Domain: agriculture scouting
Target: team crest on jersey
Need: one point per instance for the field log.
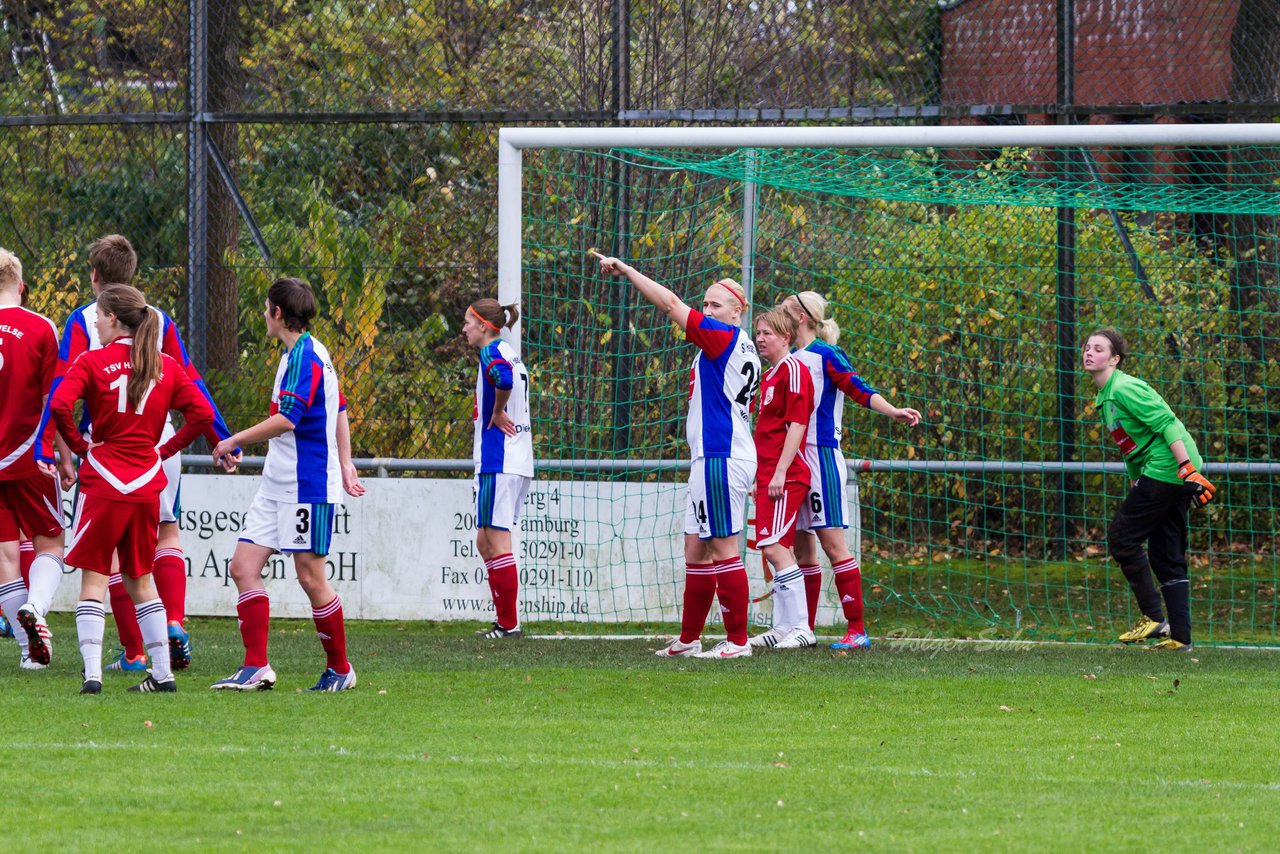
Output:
(768, 395)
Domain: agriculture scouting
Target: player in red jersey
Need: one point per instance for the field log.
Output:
(782, 479)
(112, 260)
(30, 501)
(128, 386)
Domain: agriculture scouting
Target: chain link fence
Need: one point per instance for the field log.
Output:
(354, 144)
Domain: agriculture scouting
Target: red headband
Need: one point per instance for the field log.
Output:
(735, 293)
(472, 310)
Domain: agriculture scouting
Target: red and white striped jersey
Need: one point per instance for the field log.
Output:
(28, 365)
(786, 397)
(124, 461)
(721, 387)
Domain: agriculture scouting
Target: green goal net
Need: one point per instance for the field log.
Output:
(964, 282)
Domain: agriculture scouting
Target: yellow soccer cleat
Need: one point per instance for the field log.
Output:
(1146, 628)
(1170, 645)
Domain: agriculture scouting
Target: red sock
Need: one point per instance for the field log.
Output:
(169, 570)
(812, 590)
(254, 608)
(126, 620)
(26, 556)
(504, 584)
(735, 598)
(849, 586)
(699, 593)
(333, 634)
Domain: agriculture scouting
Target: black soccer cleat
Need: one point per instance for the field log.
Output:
(499, 632)
(91, 686)
(151, 686)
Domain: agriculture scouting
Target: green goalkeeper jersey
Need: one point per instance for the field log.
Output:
(1143, 425)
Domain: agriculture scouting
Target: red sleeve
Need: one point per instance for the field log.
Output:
(799, 394)
(63, 402)
(711, 336)
(342, 402)
(196, 412)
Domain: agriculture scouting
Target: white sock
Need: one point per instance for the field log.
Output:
(46, 573)
(90, 621)
(155, 636)
(13, 595)
(789, 605)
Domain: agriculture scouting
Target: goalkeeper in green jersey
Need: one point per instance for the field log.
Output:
(1163, 464)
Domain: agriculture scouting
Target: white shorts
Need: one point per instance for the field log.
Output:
(499, 498)
(827, 504)
(288, 527)
(170, 501)
(717, 501)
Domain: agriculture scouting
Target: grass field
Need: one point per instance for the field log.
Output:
(454, 743)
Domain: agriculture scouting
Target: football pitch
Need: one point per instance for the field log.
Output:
(454, 743)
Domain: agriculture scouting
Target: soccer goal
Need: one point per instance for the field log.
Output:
(965, 266)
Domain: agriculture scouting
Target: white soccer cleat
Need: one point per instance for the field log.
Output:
(679, 649)
(725, 649)
(801, 637)
(28, 664)
(248, 679)
(766, 640)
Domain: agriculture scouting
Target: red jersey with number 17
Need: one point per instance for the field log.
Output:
(786, 397)
(28, 364)
(124, 462)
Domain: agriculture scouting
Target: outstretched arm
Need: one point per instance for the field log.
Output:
(905, 415)
(659, 295)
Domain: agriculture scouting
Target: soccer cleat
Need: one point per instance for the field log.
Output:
(801, 637)
(179, 646)
(768, 639)
(91, 686)
(1170, 645)
(248, 679)
(28, 664)
(151, 686)
(122, 663)
(39, 641)
(6, 628)
(1146, 628)
(852, 640)
(679, 649)
(332, 680)
(725, 649)
(499, 632)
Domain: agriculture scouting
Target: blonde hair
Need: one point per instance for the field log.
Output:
(10, 270)
(813, 309)
(734, 288)
(132, 312)
(781, 322)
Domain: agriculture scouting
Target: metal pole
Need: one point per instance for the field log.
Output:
(1068, 485)
(623, 342)
(750, 191)
(197, 181)
(509, 248)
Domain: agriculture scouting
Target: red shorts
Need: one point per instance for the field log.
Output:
(103, 526)
(776, 520)
(31, 506)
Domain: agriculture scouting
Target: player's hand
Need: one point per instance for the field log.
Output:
(906, 415)
(351, 481)
(226, 448)
(778, 485)
(47, 469)
(612, 266)
(66, 472)
(1195, 484)
(229, 462)
(503, 422)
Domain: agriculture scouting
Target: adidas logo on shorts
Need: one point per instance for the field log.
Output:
(300, 540)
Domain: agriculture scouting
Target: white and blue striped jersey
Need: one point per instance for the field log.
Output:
(495, 452)
(722, 385)
(302, 465)
(833, 379)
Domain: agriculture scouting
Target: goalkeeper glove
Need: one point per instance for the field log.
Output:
(1195, 484)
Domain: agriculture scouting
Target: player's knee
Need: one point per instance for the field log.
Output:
(1120, 543)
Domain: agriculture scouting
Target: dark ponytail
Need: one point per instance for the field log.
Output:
(131, 310)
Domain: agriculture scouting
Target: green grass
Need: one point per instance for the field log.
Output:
(451, 742)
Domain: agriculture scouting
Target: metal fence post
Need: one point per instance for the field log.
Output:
(197, 180)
